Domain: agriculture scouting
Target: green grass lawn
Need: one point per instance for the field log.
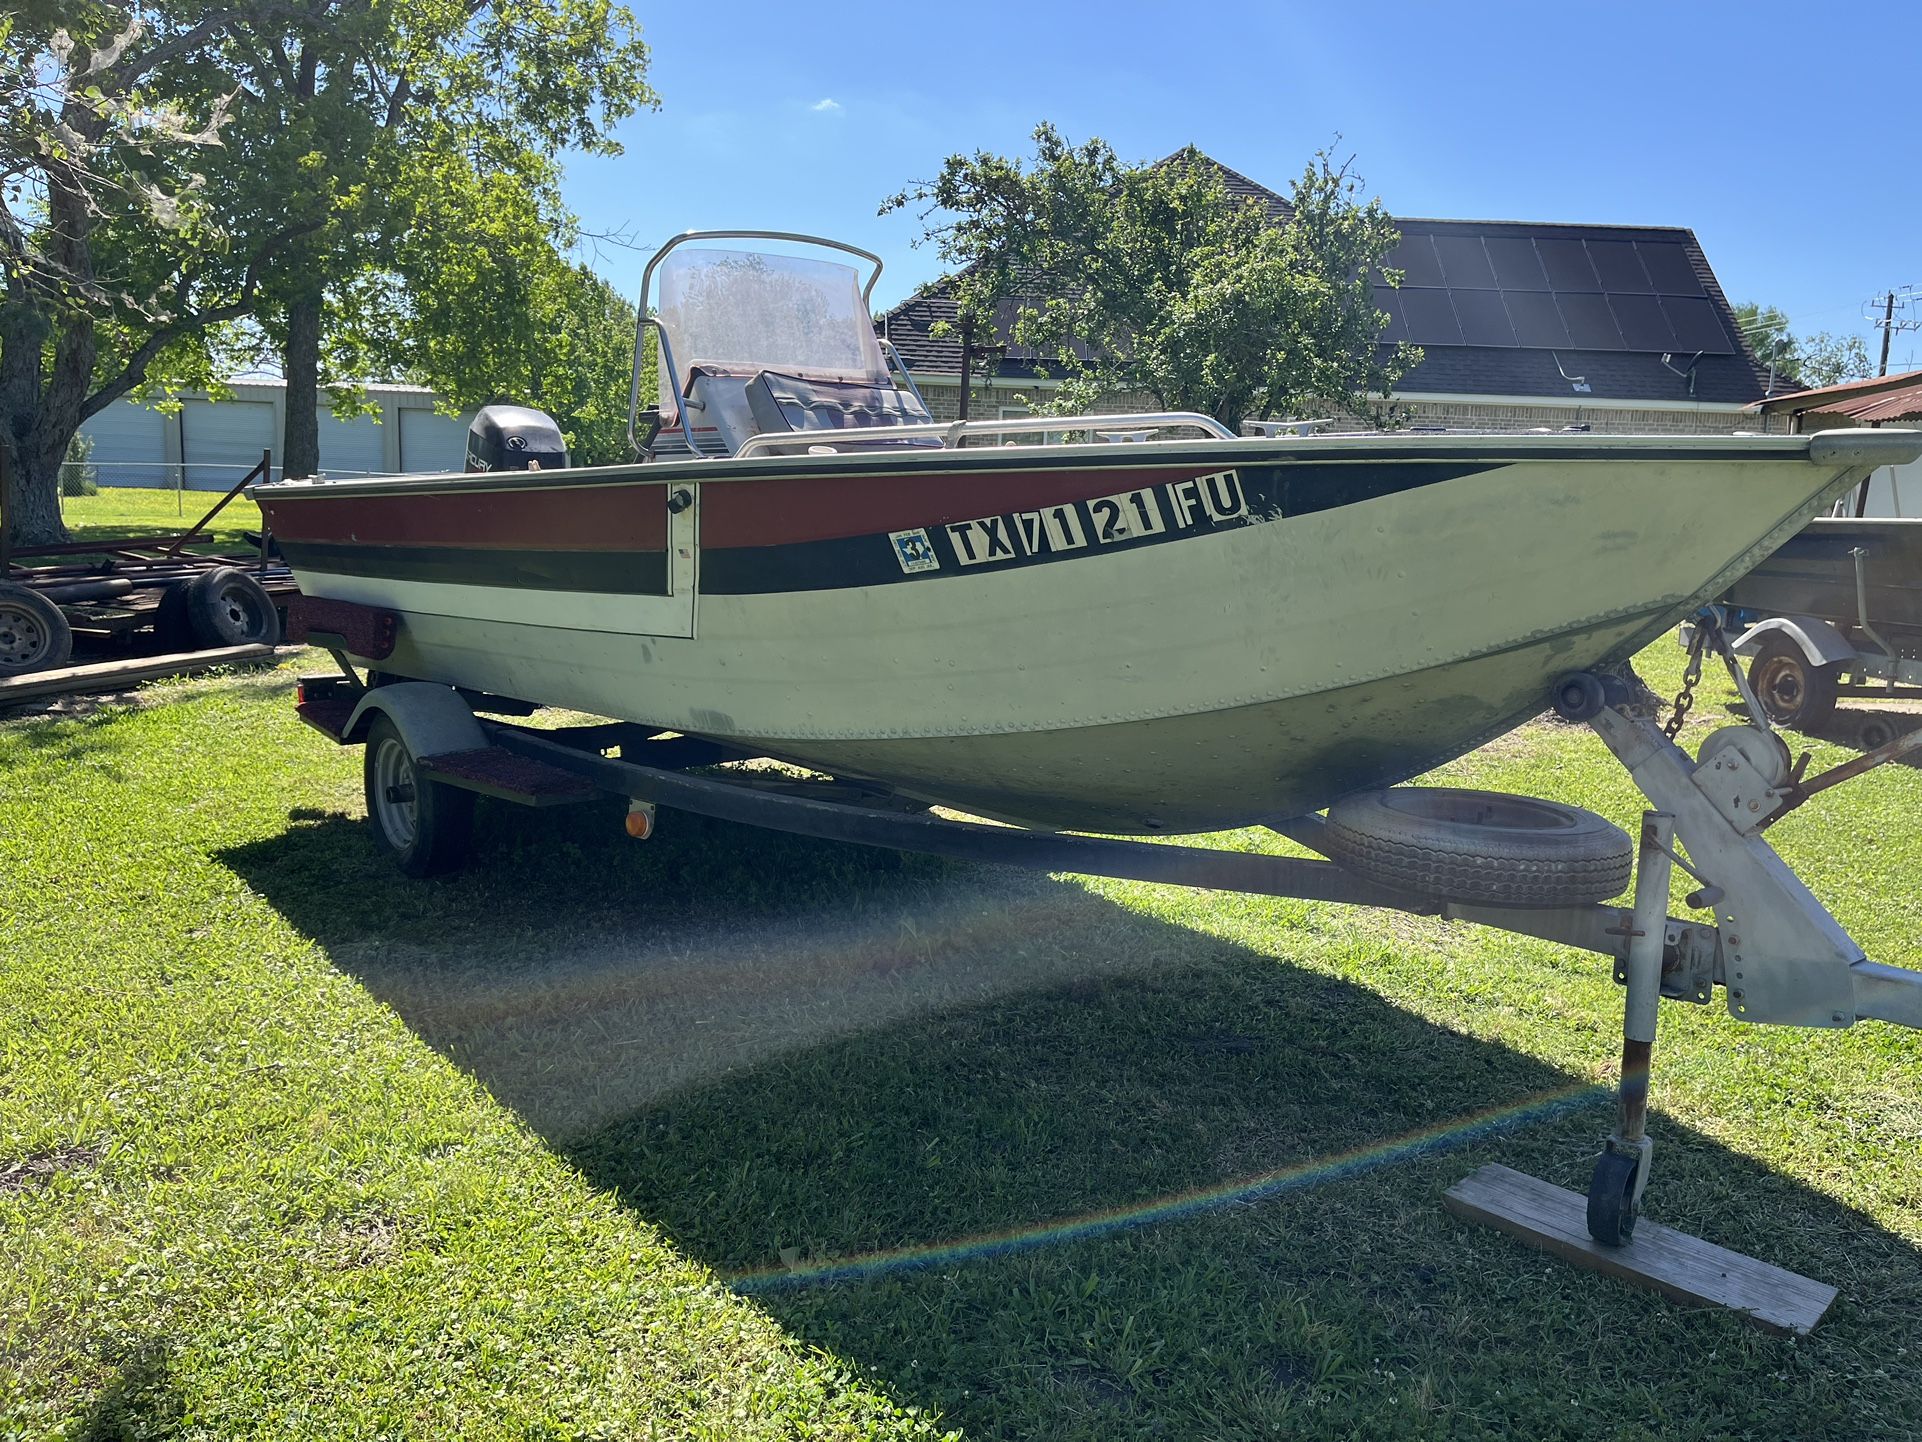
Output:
(130, 511)
(734, 1135)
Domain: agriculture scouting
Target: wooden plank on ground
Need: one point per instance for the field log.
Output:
(113, 675)
(1683, 1268)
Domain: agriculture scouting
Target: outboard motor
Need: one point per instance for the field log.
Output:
(514, 438)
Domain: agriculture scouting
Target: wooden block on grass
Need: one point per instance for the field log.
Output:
(113, 675)
(1683, 1268)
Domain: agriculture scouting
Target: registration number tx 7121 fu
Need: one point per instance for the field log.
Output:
(1198, 503)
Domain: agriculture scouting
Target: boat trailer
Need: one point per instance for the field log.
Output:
(1757, 932)
(105, 591)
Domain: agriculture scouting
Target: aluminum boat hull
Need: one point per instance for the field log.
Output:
(1286, 622)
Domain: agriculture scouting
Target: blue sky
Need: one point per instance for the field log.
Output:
(1743, 121)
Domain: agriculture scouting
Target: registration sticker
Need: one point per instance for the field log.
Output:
(914, 550)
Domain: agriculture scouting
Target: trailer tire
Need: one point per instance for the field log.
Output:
(1875, 732)
(426, 826)
(1790, 690)
(228, 607)
(1482, 847)
(172, 631)
(34, 634)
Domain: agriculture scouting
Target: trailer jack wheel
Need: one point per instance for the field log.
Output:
(1613, 1197)
(426, 826)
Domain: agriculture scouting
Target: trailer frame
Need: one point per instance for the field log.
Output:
(1765, 940)
(120, 589)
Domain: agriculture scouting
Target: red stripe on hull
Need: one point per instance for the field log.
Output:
(622, 517)
(781, 512)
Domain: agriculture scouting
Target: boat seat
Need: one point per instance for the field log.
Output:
(790, 403)
(717, 401)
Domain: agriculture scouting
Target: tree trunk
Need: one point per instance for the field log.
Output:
(33, 499)
(300, 441)
(37, 432)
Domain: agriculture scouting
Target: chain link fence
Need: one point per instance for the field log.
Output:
(84, 476)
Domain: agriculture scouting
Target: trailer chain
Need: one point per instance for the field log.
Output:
(1691, 678)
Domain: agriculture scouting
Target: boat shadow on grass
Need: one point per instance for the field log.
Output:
(1051, 1166)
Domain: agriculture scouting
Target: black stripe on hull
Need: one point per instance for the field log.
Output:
(618, 573)
(1167, 512)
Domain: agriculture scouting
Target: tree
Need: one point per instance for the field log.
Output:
(1822, 359)
(1157, 279)
(119, 274)
(555, 335)
(1828, 360)
(434, 122)
(169, 178)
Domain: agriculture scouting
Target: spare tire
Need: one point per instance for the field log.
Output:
(228, 607)
(1485, 847)
(34, 634)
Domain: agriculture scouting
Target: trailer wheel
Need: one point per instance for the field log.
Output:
(228, 607)
(34, 635)
(1875, 733)
(171, 629)
(1480, 846)
(1611, 1199)
(426, 826)
(1790, 690)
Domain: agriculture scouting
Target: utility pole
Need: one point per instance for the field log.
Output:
(1888, 329)
(967, 356)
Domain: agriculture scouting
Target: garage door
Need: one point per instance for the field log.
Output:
(431, 442)
(129, 446)
(350, 447)
(222, 440)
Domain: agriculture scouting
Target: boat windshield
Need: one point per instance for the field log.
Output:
(742, 311)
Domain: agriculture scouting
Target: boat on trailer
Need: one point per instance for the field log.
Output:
(1175, 632)
(1148, 625)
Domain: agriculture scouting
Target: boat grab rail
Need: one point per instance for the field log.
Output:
(952, 433)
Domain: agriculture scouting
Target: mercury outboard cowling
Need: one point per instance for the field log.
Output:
(514, 438)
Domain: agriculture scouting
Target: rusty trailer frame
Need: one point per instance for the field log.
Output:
(118, 591)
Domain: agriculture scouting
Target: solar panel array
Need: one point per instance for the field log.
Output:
(1549, 293)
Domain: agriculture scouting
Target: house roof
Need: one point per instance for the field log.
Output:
(1878, 399)
(1234, 182)
(1509, 308)
(910, 324)
(1521, 308)
(910, 327)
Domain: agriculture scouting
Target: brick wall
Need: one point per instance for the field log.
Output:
(1458, 415)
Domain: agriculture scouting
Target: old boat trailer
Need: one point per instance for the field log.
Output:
(107, 589)
(1762, 937)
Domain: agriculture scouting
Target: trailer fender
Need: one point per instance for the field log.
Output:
(1821, 643)
(432, 720)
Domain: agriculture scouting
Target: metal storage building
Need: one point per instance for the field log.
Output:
(208, 444)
